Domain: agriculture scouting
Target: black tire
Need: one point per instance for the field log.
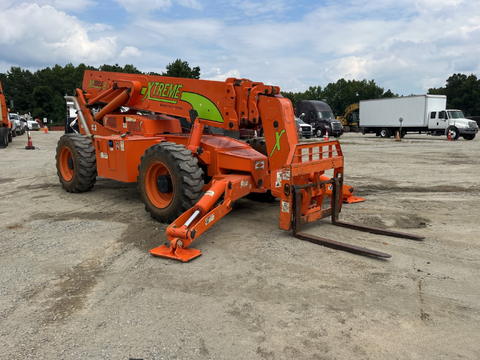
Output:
(170, 181)
(10, 136)
(3, 137)
(385, 133)
(319, 133)
(14, 133)
(454, 132)
(469, 137)
(76, 163)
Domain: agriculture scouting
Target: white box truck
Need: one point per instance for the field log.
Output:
(414, 114)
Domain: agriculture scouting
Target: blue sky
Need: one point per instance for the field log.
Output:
(407, 46)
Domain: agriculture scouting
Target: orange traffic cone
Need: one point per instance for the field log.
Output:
(46, 130)
(398, 136)
(326, 136)
(449, 137)
(29, 142)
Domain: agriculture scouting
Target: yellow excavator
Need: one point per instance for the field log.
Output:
(350, 118)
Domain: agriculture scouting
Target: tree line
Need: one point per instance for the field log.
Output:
(41, 93)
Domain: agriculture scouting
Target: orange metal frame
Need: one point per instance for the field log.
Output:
(121, 137)
(4, 122)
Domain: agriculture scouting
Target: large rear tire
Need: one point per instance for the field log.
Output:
(385, 133)
(170, 181)
(10, 136)
(3, 137)
(76, 163)
(469, 137)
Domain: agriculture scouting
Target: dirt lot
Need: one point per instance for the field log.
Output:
(77, 281)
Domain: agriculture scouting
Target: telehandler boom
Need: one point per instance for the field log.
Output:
(131, 130)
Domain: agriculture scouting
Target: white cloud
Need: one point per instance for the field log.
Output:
(260, 7)
(130, 51)
(65, 5)
(51, 36)
(141, 6)
(407, 46)
(217, 75)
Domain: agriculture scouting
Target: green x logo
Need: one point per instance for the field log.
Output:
(277, 141)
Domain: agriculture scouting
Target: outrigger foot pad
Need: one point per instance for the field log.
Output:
(180, 254)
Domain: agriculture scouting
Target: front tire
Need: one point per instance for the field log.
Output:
(319, 133)
(469, 137)
(170, 181)
(453, 133)
(76, 163)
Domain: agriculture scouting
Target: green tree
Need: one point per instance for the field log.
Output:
(462, 91)
(181, 69)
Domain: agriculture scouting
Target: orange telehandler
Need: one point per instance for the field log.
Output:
(5, 123)
(153, 130)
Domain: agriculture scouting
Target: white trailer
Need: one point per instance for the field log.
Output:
(414, 114)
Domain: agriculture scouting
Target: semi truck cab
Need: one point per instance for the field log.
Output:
(320, 116)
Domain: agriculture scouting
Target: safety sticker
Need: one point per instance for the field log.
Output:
(125, 125)
(128, 118)
(278, 182)
(103, 155)
(210, 193)
(285, 207)
(286, 175)
(209, 219)
(259, 165)
(94, 127)
(330, 187)
(244, 183)
(122, 146)
(118, 145)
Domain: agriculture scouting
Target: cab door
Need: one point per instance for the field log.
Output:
(437, 120)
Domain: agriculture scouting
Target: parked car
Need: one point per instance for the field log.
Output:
(13, 121)
(304, 130)
(19, 125)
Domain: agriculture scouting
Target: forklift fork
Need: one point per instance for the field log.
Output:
(334, 211)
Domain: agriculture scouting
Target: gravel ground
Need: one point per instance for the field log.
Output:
(77, 281)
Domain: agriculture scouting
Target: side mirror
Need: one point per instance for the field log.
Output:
(11, 104)
(302, 116)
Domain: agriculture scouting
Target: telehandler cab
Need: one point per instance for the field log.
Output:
(131, 130)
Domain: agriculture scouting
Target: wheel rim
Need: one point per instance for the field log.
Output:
(319, 133)
(159, 199)
(66, 163)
